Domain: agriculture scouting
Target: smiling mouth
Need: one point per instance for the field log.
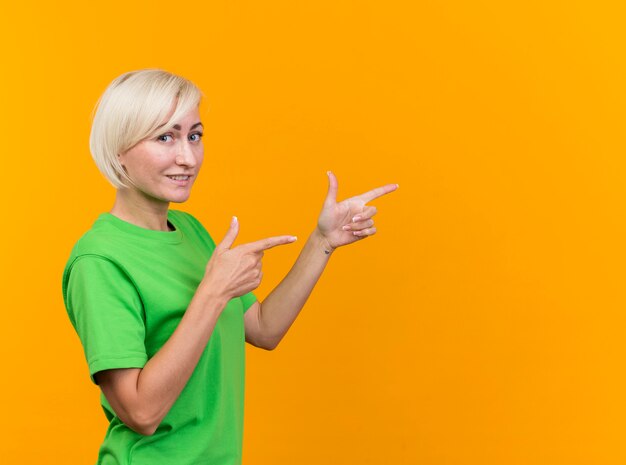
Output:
(179, 178)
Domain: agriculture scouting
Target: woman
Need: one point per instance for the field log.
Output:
(161, 310)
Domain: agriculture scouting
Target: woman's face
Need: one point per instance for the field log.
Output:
(165, 167)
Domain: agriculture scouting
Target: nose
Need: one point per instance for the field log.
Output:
(185, 155)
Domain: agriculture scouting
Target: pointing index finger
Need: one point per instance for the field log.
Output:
(264, 244)
(378, 192)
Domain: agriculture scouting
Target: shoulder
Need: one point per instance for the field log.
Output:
(97, 239)
(94, 246)
(98, 273)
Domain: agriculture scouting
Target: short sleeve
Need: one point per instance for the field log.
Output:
(107, 313)
(247, 300)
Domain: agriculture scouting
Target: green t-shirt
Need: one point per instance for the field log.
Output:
(126, 289)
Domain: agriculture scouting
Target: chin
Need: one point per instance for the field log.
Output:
(180, 195)
(179, 198)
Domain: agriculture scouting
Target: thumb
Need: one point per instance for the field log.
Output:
(331, 197)
(231, 234)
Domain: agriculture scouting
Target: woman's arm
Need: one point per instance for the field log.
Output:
(267, 323)
(339, 224)
(142, 397)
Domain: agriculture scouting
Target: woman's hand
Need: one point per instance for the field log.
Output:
(234, 272)
(350, 220)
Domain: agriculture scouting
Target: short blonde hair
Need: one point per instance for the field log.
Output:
(133, 108)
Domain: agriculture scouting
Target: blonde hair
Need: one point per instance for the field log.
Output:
(133, 108)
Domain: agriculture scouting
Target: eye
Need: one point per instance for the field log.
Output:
(198, 136)
(160, 138)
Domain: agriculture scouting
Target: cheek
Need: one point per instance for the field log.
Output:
(199, 159)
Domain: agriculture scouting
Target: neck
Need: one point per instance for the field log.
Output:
(143, 212)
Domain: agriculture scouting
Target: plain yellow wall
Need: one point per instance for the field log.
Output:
(483, 324)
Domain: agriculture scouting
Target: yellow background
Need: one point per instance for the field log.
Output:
(483, 324)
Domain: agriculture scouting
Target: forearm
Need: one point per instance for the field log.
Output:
(165, 375)
(282, 306)
(142, 397)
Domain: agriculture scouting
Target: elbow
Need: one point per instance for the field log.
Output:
(142, 424)
(119, 386)
(144, 430)
(270, 344)
(265, 344)
(268, 347)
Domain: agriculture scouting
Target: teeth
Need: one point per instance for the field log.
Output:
(179, 178)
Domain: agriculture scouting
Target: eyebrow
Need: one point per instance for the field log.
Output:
(177, 126)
